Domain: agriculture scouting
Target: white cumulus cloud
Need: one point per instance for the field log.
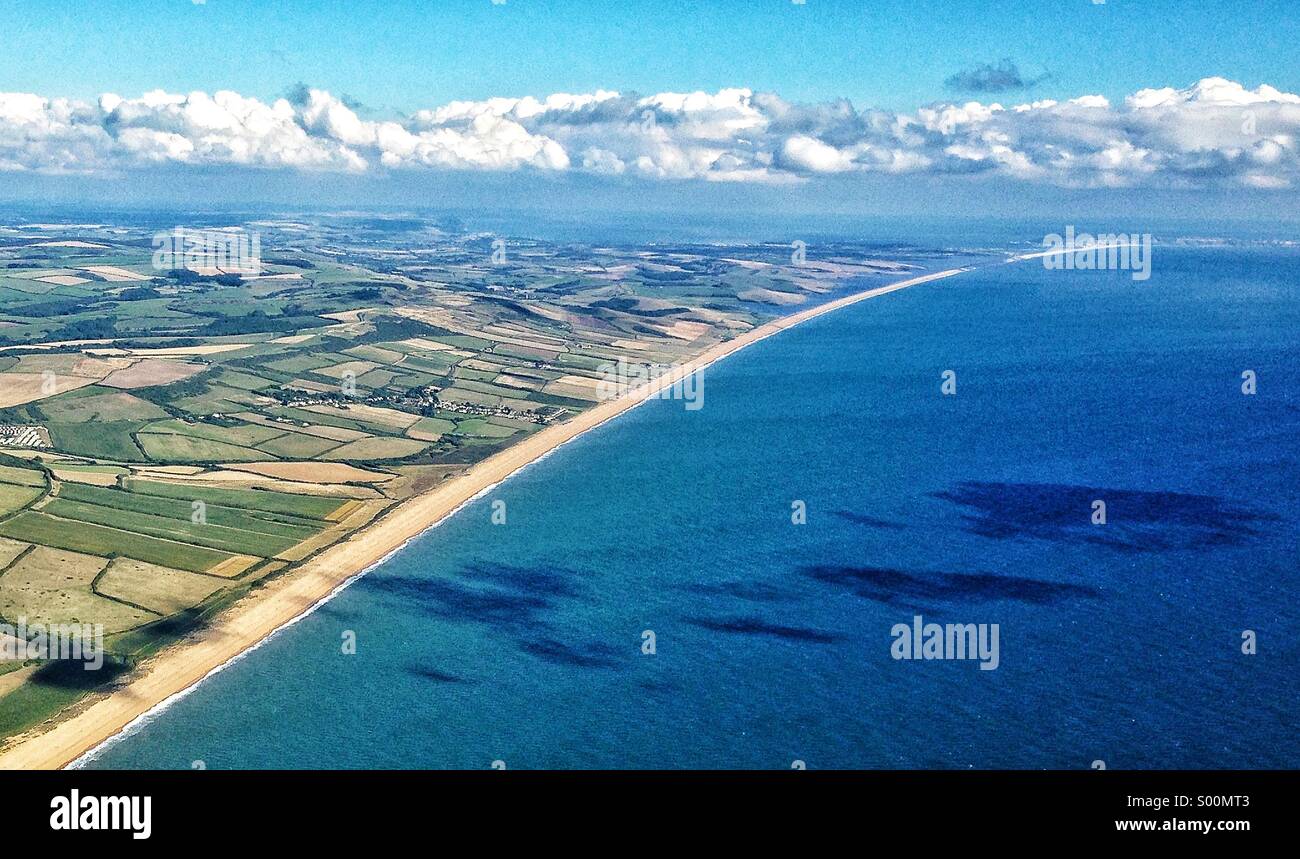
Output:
(1215, 132)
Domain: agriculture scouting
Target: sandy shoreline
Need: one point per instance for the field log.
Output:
(284, 600)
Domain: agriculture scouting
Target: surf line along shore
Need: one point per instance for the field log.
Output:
(286, 599)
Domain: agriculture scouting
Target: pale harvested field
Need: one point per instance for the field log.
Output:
(182, 351)
(160, 589)
(347, 511)
(633, 344)
(43, 454)
(231, 479)
(518, 382)
(90, 366)
(94, 367)
(309, 385)
(350, 518)
(11, 680)
(53, 344)
(574, 392)
(64, 280)
(376, 448)
(579, 382)
(93, 477)
(314, 472)
(151, 371)
(771, 296)
(369, 414)
(233, 566)
(10, 549)
(53, 586)
(44, 272)
(19, 388)
(113, 274)
(683, 330)
(68, 244)
(170, 469)
(427, 345)
(317, 430)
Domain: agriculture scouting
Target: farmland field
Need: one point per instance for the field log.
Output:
(171, 447)
(376, 449)
(21, 476)
(108, 542)
(93, 404)
(161, 590)
(14, 497)
(238, 541)
(297, 446)
(48, 585)
(281, 503)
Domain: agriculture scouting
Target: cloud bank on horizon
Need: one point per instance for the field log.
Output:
(1214, 133)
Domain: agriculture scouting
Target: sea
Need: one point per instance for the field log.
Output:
(1106, 471)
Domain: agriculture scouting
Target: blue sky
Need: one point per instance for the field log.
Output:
(400, 55)
(328, 95)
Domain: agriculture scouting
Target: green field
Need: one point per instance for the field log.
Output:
(430, 429)
(301, 363)
(243, 435)
(31, 527)
(437, 363)
(239, 541)
(306, 506)
(284, 525)
(21, 476)
(14, 497)
(374, 353)
(242, 381)
(103, 440)
(297, 446)
(169, 447)
(483, 428)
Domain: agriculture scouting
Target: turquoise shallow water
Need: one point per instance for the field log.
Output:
(522, 642)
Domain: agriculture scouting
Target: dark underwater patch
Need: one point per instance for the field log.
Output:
(758, 626)
(869, 521)
(549, 582)
(448, 599)
(433, 674)
(1136, 521)
(515, 601)
(592, 655)
(749, 591)
(497, 595)
(913, 587)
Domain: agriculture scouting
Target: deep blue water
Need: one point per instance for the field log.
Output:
(1121, 642)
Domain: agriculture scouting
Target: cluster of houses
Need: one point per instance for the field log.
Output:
(426, 401)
